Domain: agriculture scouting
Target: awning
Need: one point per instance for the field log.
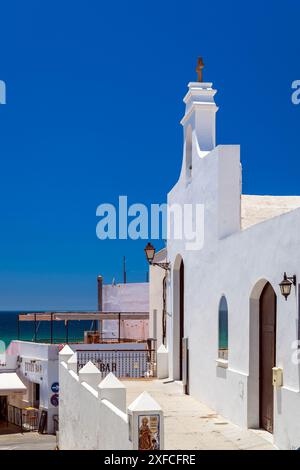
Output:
(10, 382)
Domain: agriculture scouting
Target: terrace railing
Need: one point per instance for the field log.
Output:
(62, 332)
(26, 420)
(124, 363)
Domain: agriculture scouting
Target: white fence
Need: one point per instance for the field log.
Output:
(93, 414)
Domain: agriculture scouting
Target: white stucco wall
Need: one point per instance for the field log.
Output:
(86, 421)
(93, 412)
(232, 263)
(132, 297)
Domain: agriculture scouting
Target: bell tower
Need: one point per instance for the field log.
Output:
(200, 112)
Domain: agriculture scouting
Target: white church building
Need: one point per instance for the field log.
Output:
(231, 336)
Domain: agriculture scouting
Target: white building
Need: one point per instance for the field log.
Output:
(29, 380)
(125, 298)
(231, 284)
(29, 383)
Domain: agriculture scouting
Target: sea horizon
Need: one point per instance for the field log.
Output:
(9, 328)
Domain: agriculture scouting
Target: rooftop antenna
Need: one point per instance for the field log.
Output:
(124, 270)
(100, 288)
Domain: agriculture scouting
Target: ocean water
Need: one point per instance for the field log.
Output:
(9, 330)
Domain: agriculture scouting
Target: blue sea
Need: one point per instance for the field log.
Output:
(9, 330)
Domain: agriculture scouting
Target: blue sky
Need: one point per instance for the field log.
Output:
(94, 100)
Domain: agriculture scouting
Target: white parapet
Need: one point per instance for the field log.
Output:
(72, 363)
(65, 353)
(113, 390)
(93, 413)
(146, 423)
(162, 362)
(90, 374)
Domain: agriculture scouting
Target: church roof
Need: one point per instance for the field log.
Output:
(256, 209)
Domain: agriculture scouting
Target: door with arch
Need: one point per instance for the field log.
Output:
(181, 318)
(267, 356)
(180, 345)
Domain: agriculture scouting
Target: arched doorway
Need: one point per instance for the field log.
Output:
(181, 315)
(178, 317)
(262, 350)
(267, 356)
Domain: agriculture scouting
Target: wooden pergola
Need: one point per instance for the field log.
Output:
(96, 316)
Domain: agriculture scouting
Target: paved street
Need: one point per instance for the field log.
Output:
(190, 424)
(27, 441)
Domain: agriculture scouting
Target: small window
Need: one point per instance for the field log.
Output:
(223, 329)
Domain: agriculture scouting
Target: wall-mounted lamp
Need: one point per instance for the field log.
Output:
(286, 285)
(150, 253)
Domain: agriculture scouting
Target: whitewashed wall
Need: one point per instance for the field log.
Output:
(131, 297)
(233, 270)
(93, 411)
(236, 264)
(86, 421)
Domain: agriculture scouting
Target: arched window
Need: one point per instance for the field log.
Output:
(223, 329)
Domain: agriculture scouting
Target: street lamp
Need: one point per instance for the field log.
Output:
(286, 285)
(150, 254)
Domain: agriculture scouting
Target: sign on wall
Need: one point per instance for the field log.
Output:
(32, 369)
(33, 366)
(133, 364)
(55, 387)
(149, 432)
(54, 400)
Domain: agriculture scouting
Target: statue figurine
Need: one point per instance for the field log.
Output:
(145, 435)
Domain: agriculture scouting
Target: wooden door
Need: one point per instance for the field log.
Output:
(267, 356)
(3, 408)
(181, 315)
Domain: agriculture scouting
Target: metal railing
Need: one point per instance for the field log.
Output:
(55, 423)
(26, 420)
(124, 363)
(97, 319)
(59, 340)
(96, 339)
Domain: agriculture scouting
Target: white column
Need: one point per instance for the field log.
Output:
(65, 353)
(113, 390)
(162, 362)
(146, 423)
(90, 374)
(72, 363)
